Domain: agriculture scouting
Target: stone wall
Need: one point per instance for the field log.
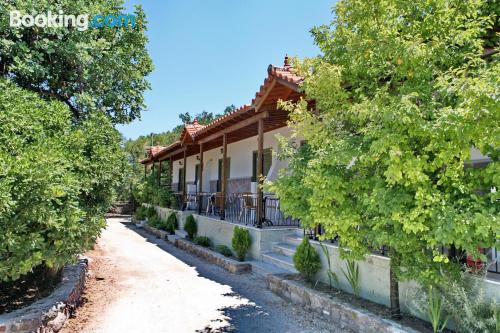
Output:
(49, 314)
(239, 185)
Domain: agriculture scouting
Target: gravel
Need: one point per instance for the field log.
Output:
(156, 287)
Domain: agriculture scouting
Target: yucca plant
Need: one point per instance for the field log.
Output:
(435, 311)
(332, 276)
(352, 275)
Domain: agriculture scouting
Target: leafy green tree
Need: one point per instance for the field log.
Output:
(56, 181)
(402, 92)
(100, 69)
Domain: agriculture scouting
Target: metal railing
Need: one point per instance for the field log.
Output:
(494, 267)
(238, 208)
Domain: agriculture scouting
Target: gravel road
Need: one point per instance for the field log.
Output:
(138, 283)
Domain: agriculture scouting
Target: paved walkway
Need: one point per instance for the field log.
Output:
(141, 284)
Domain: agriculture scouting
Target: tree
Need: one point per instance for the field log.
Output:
(57, 180)
(403, 90)
(100, 69)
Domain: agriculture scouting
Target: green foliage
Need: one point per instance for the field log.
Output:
(156, 222)
(150, 212)
(306, 260)
(203, 241)
(462, 301)
(332, 276)
(352, 275)
(57, 180)
(466, 305)
(224, 250)
(435, 311)
(496, 316)
(149, 191)
(96, 70)
(141, 213)
(171, 224)
(241, 242)
(190, 226)
(385, 154)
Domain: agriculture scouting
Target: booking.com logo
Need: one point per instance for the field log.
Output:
(80, 22)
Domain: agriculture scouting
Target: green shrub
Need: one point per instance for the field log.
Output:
(306, 259)
(190, 226)
(202, 241)
(171, 224)
(57, 180)
(155, 222)
(140, 213)
(150, 212)
(241, 242)
(224, 250)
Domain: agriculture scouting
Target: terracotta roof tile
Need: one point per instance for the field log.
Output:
(285, 73)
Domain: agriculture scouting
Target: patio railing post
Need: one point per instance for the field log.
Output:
(260, 164)
(200, 181)
(224, 178)
(184, 190)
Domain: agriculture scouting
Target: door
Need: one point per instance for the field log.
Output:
(219, 176)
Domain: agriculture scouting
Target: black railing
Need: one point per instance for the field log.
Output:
(236, 207)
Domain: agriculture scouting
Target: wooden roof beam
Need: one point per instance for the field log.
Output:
(235, 127)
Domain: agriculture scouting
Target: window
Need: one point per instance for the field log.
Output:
(180, 185)
(228, 175)
(268, 159)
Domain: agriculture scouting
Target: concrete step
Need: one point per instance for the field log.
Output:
(285, 249)
(299, 232)
(279, 260)
(263, 269)
(181, 233)
(172, 238)
(292, 239)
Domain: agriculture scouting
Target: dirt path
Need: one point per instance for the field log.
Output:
(141, 284)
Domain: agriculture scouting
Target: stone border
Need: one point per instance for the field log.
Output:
(161, 234)
(49, 314)
(213, 257)
(356, 319)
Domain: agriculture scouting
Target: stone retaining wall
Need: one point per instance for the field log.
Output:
(213, 257)
(49, 314)
(157, 232)
(358, 320)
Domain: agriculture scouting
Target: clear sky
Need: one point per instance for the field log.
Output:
(209, 54)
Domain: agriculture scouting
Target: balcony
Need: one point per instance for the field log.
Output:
(239, 208)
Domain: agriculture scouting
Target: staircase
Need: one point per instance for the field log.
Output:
(280, 259)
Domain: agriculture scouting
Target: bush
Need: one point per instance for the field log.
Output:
(224, 250)
(57, 180)
(464, 302)
(190, 226)
(306, 260)
(203, 241)
(241, 242)
(155, 222)
(140, 213)
(171, 224)
(150, 212)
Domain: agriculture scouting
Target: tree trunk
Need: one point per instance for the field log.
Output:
(394, 291)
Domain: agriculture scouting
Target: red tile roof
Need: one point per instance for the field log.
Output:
(285, 73)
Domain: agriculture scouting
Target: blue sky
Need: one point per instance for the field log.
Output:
(210, 54)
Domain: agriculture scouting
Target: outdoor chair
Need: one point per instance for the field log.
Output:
(248, 206)
(214, 204)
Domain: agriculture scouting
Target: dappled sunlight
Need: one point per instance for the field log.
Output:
(159, 288)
